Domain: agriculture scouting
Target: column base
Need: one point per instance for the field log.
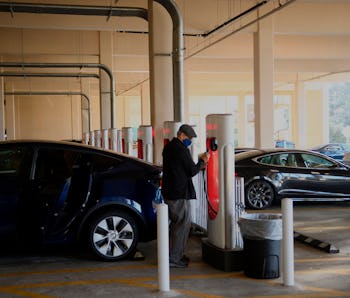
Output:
(222, 259)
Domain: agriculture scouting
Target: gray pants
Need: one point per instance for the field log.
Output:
(180, 225)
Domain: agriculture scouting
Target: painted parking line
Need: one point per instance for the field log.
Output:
(77, 270)
(318, 229)
(150, 283)
(323, 260)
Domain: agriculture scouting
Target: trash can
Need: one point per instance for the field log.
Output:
(262, 235)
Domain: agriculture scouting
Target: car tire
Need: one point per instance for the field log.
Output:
(259, 195)
(113, 235)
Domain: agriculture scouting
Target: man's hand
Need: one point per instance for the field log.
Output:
(205, 156)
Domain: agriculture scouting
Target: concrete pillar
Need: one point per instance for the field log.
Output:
(325, 115)
(316, 126)
(2, 110)
(161, 84)
(10, 116)
(263, 84)
(242, 120)
(300, 113)
(106, 58)
(145, 105)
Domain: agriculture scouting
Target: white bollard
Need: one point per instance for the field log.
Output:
(163, 247)
(288, 242)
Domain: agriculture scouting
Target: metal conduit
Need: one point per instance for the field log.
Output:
(71, 65)
(83, 95)
(178, 58)
(169, 5)
(15, 7)
(44, 75)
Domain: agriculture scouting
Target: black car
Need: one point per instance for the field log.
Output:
(270, 175)
(60, 192)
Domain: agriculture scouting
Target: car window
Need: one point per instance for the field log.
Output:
(333, 148)
(282, 159)
(314, 161)
(274, 159)
(12, 160)
(55, 163)
(103, 163)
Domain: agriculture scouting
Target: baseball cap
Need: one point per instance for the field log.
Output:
(188, 130)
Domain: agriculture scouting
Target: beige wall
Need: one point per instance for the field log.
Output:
(49, 116)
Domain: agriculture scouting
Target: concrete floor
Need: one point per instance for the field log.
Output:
(69, 274)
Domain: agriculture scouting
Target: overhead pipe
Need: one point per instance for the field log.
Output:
(212, 31)
(70, 65)
(15, 7)
(44, 75)
(83, 95)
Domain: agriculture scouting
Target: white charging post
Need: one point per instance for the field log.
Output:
(220, 248)
(92, 138)
(105, 139)
(86, 137)
(116, 139)
(98, 138)
(127, 140)
(145, 143)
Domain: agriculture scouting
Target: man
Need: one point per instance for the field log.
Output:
(178, 189)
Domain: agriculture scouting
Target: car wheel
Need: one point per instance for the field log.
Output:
(113, 235)
(259, 195)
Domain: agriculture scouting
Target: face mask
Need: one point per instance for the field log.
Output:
(187, 142)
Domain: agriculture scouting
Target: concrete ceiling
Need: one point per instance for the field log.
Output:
(312, 40)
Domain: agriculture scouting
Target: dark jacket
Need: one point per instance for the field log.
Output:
(178, 170)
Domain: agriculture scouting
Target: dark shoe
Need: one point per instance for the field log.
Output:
(185, 259)
(179, 264)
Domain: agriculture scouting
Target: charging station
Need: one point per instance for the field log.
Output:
(220, 248)
(127, 140)
(86, 137)
(92, 138)
(115, 136)
(98, 138)
(145, 143)
(170, 129)
(105, 139)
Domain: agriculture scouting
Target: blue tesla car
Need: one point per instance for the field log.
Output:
(61, 192)
(334, 150)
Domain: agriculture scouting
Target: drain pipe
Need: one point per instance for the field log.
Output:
(83, 95)
(71, 65)
(178, 57)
